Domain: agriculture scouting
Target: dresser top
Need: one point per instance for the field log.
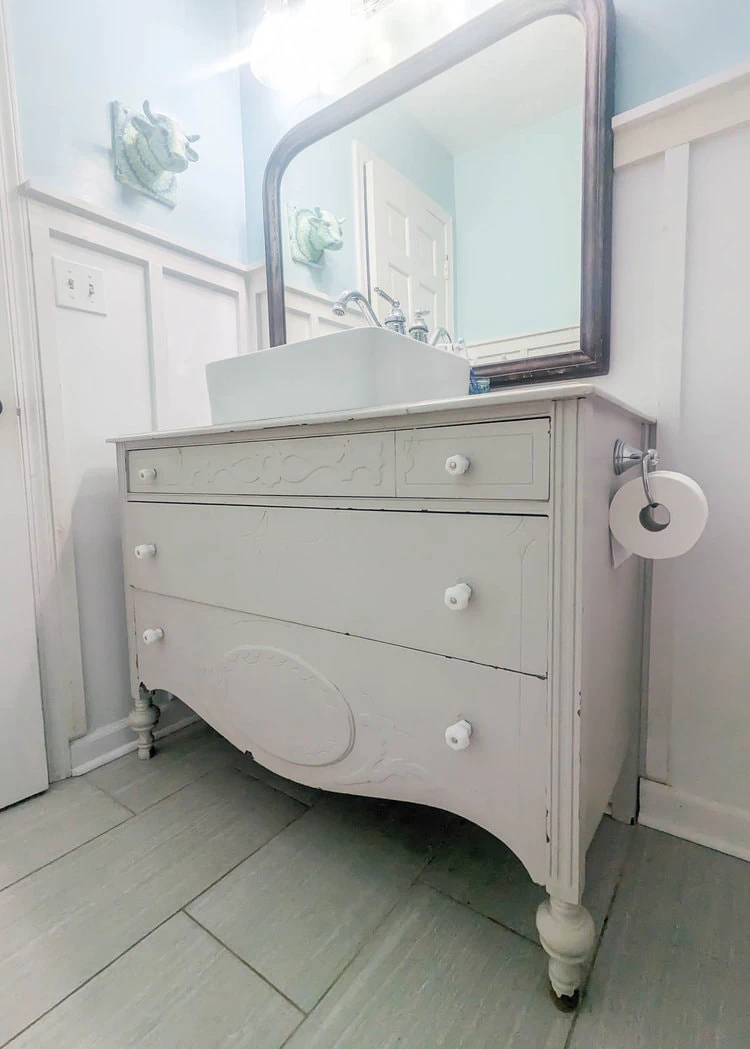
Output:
(469, 405)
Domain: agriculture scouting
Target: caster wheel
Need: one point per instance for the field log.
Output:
(566, 1003)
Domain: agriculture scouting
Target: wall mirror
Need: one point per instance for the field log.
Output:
(471, 183)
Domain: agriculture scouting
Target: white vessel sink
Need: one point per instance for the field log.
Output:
(360, 368)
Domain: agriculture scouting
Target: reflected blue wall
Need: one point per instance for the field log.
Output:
(518, 231)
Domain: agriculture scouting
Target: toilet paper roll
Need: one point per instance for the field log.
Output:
(644, 534)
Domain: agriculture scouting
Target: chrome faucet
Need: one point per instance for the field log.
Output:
(339, 306)
(440, 335)
(396, 320)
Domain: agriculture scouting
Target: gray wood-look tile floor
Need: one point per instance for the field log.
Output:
(198, 902)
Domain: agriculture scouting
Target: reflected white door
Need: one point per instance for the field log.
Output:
(407, 241)
(23, 764)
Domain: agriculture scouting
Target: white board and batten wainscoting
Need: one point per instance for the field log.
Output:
(679, 351)
(132, 360)
(681, 317)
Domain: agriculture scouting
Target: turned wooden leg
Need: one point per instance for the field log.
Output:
(142, 719)
(567, 933)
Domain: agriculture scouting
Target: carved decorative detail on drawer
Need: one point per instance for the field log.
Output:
(284, 705)
(271, 466)
(354, 464)
(382, 743)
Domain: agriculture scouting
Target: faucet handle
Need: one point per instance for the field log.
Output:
(388, 298)
(396, 319)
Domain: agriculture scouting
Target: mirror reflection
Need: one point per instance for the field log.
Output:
(454, 211)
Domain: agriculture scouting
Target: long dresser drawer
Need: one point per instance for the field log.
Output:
(349, 714)
(378, 574)
(351, 464)
(503, 460)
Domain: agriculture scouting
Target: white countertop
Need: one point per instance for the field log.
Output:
(511, 395)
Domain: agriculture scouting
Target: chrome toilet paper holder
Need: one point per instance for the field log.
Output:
(625, 455)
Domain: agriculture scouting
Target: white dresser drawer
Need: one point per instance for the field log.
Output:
(350, 464)
(503, 460)
(378, 574)
(353, 715)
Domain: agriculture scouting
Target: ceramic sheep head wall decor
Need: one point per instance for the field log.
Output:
(150, 150)
(313, 232)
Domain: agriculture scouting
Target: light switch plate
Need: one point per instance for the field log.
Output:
(78, 287)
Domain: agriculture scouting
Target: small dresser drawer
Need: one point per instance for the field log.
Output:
(351, 464)
(504, 460)
(473, 586)
(349, 714)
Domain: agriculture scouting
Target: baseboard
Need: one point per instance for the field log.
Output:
(113, 741)
(721, 827)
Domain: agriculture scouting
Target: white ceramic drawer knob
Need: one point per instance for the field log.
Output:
(144, 550)
(457, 597)
(457, 464)
(152, 634)
(458, 736)
(148, 473)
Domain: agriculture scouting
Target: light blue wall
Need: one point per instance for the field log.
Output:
(663, 45)
(518, 207)
(324, 175)
(72, 57)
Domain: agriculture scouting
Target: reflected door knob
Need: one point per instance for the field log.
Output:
(144, 550)
(458, 736)
(457, 464)
(148, 473)
(457, 597)
(152, 634)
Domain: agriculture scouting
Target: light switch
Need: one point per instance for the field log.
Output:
(78, 287)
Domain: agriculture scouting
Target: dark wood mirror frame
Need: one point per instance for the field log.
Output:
(598, 19)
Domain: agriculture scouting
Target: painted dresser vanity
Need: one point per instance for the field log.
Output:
(415, 603)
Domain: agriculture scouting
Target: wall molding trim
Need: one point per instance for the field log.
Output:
(704, 108)
(529, 344)
(81, 208)
(114, 741)
(710, 823)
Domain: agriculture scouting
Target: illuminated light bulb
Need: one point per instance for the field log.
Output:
(279, 54)
(309, 48)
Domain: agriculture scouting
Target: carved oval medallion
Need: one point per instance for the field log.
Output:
(284, 706)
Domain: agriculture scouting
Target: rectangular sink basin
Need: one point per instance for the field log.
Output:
(359, 368)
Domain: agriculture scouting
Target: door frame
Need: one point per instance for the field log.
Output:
(58, 638)
(362, 155)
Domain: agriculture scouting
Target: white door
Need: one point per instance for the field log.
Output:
(23, 764)
(408, 242)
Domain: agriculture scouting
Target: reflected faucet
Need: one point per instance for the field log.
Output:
(339, 307)
(440, 335)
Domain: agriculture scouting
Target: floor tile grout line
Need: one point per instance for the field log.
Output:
(140, 939)
(230, 764)
(481, 914)
(106, 794)
(370, 936)
(87, 980)
(132, 815)
(225, 946)
(365, 943)
(190, 783)
(605, 922)
(69, 852)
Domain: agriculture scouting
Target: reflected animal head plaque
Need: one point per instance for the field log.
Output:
(313, 232)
